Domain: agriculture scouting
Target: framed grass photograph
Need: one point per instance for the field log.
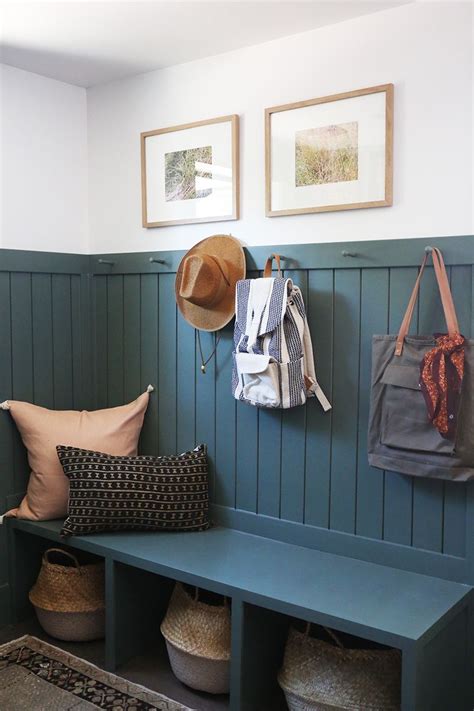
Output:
(190, 173)
(331, 153)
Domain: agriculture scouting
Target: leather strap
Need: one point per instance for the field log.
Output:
(446, 299)
(267, 272)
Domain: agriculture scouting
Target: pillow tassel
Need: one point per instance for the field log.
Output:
(5, 405)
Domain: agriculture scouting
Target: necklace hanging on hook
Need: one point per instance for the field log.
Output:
(204, 363)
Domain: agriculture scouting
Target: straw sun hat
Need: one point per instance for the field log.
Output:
(206, 279)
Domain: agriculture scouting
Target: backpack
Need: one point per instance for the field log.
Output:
(273, 364)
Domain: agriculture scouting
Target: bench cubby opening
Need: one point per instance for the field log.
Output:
(136, 603)
(26, 555)
(264, 638)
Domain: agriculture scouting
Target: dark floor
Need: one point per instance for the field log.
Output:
(152, 671)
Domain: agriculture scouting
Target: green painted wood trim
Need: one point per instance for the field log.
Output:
(18, 260)
(371, 550)
(110, 616)
(14, 500)
(178, 570)
(5, 611)
(373, 253)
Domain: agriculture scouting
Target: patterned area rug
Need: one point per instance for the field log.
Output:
(35, 676)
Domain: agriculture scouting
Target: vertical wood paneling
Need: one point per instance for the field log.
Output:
(269, 462)
(21, 330)
(370, 481)
(247, 457)
(455, 494)
(345, 399)
(43, 360)
(206, 403)
(22, 364)
(226, 407)
(132, 380)
(247, 431)
(62, 341)
(115, 341)
(78, 352)
(42, 323)
(6, 425)
(167, 365)
(186, 386)
(6, 388)
(149, 358)
(293, 442)
(269, 465)
(398, 494)
(87, 397)
(320, 308)
(428, 493)
(99, 302)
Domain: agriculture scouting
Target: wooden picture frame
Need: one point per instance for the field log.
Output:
(385, 181)
(228, 196)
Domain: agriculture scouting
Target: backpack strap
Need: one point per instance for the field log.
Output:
(267, 272)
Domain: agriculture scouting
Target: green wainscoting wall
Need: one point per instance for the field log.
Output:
(77, 332)
(45, 357)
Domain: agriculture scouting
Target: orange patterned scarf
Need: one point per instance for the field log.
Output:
(441, 375)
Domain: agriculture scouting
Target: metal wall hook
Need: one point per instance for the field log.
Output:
(345, 253)
(428, 249)
(156, 261)
(105, 261)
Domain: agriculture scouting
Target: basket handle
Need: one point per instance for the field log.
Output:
(196, 597)
(65, 553)
(329, 632)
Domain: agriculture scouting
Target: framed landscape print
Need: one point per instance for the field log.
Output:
(190, 173)
(332, 153)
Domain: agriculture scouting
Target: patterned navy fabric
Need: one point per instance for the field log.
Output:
(298, 302)
(276, 303)
(243, 291)
(109, 493)
(292, 337)
(296, 383)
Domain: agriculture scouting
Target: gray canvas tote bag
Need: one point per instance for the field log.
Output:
(402, 437)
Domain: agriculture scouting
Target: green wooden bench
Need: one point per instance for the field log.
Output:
(427, 618)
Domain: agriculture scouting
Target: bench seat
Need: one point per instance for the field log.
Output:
(387, 605)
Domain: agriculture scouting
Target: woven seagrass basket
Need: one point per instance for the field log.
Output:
(318, 676)
(69, 600)
(197, 638)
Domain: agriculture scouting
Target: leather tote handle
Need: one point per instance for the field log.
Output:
(267, 272)
(446, 299)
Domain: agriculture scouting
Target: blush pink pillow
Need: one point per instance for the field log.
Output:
(115, 431)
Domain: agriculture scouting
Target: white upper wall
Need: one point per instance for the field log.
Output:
(43, 163)
(425, 49)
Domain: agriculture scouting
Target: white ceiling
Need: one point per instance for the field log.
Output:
(88, 43)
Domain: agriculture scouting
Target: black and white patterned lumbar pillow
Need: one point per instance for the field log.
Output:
(109, 493)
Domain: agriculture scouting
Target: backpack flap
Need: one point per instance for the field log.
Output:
(259, 380)
(261, 305)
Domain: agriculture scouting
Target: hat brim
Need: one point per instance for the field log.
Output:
(218, 315)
